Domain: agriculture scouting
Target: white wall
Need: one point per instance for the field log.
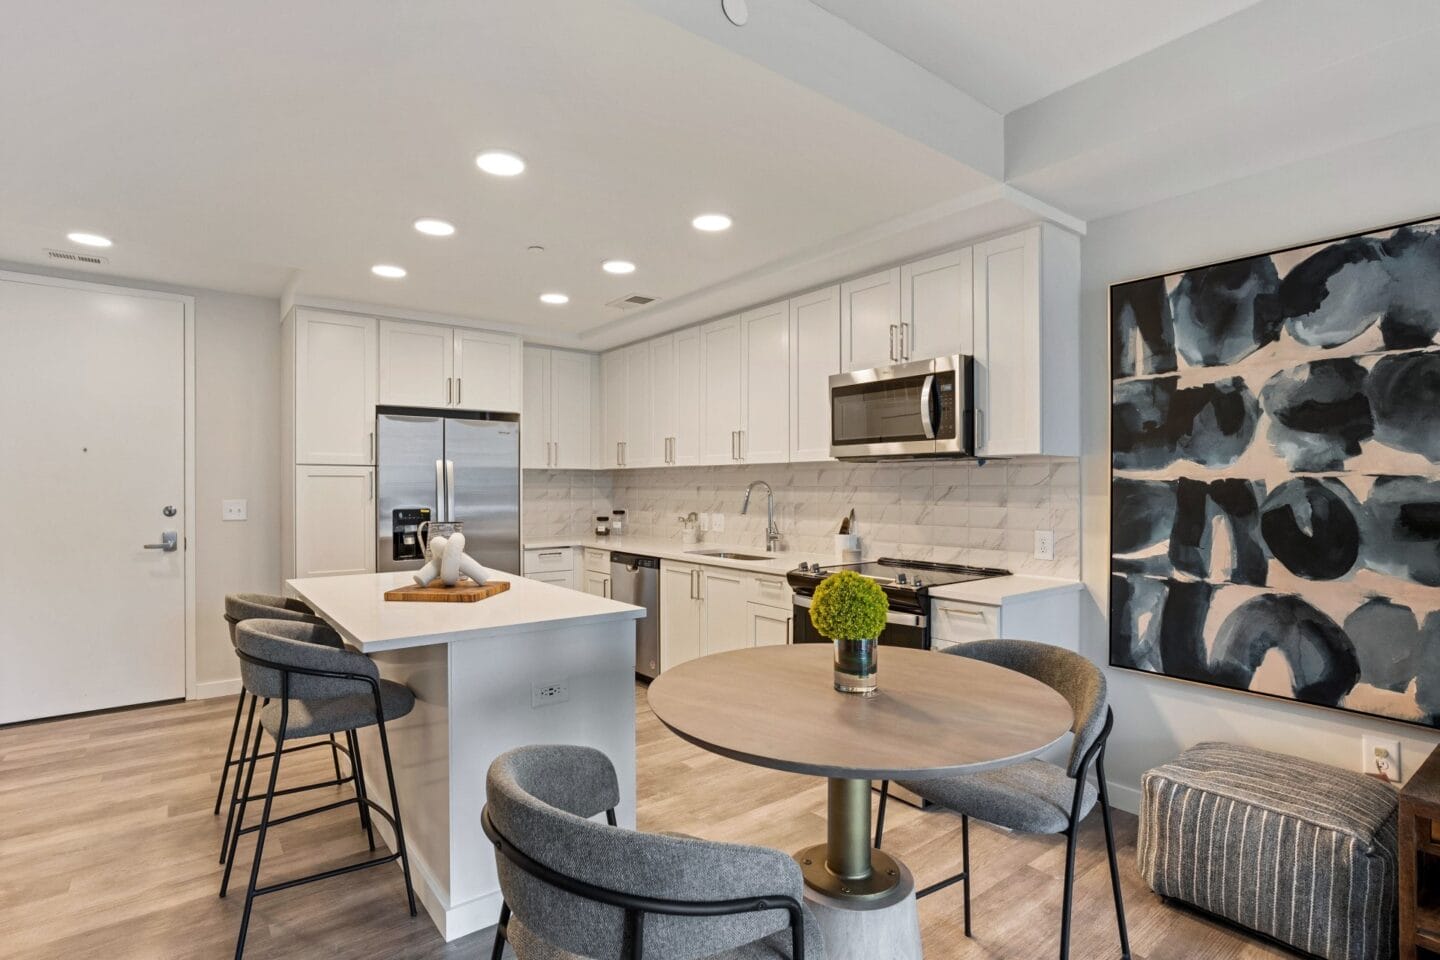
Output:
(237, 456)
(1357, 189)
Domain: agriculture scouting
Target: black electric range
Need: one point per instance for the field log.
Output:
(906, 583)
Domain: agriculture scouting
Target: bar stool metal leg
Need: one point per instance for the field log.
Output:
(394, 803)
(235, 793)
(264, 827)
(230, 751)
(357, 766)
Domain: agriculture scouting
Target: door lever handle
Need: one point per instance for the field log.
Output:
(169, 542)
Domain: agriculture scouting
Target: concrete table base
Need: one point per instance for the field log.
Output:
(886, 928)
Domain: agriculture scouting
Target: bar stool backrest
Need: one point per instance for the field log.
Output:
(264, 606)
(299, 646)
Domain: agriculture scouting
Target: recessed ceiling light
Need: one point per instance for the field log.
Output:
(388, 270)
(88, 239)
(500, 163)
(711, 222)
(434, 228)
(554, 298)
(618, 266)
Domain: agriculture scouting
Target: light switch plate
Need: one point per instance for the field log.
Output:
(234, 510)
(1044, 544)
(717, 522)
(1380, 758)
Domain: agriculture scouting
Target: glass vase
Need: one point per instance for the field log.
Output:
(855, 666)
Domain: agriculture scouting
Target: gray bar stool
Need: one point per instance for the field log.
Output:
(313, 689)
(250, 606)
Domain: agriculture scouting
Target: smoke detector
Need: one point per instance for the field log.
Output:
(632, 302)
(65, 256)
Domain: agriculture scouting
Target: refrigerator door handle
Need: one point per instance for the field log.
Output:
(440, 490)
(449, 489)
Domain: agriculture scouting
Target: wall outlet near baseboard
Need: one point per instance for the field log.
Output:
(544, 693)
(1380, 758)
(1044, 544)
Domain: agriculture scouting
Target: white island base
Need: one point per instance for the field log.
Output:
(537, 664)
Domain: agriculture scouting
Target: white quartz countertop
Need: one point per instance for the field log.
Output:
(776, 563)
(997, 590)
(356, 607)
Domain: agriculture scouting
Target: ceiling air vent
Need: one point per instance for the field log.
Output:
(66, 256)
(631, 302)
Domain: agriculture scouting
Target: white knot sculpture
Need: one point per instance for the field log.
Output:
(449, 561)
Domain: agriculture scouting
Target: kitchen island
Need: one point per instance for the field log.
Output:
(535, 664)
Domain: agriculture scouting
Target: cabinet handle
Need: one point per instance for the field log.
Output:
(557, 453)
(617, 453)
(740, 444)
(449, 391)
(893, 328)
(789, 629)
(979, 422)
(372, 484)
(904, 353)
(459, 390)
(549, 553)
(968, 613)
(607, 587)
(372, 446)
(624, 453)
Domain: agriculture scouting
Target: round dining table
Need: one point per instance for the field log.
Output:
(935, 715)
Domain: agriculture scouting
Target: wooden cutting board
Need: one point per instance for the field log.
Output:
(466, 591)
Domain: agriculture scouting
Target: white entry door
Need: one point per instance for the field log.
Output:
(92, 453)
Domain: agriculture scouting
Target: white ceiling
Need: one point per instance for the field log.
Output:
(1008, 53)
(243, 146)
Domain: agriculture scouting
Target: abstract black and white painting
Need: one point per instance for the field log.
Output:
(1275, 457)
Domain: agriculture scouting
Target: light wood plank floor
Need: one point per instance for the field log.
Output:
(108, 850)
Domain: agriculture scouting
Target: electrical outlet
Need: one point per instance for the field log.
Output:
(550, 691)
(704, 523)
(1044, 544)
(1380, 758)
(233, 510)
(717, 522)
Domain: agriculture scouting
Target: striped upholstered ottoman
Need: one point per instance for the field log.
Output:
(1296, 850)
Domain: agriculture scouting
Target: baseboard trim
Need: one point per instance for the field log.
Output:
(1124, 797)
(217, 688)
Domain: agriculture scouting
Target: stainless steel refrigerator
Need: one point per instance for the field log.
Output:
(453, 467)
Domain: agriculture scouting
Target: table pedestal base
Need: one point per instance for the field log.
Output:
(884, 928)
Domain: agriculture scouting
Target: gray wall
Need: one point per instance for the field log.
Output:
(1357, 189)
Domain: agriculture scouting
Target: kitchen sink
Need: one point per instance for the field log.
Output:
(731, 555)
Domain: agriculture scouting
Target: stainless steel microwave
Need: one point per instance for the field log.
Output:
(923, 408)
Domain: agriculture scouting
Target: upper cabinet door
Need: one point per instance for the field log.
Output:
(613, 367)
(572, 377)
(334, 388)
(535, 449)
(685, 447)
(937, 304)
(642, 448)
(417, 364)
(663, 417)
(722, 405)
(487, 371)
(814, 356)
(1007, 345)
(870, 321)
(765, 431)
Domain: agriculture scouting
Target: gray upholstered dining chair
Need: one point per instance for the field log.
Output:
(1034, 796)
(312, 689)
(574, 887)
(240, 607)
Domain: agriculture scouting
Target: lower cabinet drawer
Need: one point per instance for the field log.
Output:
(597, 561)
(772, 590)
(564, 578)
(953, 623)
(549, 561)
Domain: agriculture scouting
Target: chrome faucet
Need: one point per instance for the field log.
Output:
(772, 532)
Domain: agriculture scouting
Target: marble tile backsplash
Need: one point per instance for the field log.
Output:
(957, 512)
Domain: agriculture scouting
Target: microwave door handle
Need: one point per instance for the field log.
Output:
(449, 489)
(927, 406)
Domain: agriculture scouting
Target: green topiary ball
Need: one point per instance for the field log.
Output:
(848, 606)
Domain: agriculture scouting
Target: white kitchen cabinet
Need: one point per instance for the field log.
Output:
(417, 364)
(329, 383)
(722, 404)
(814, 357)
(726, 627)
(428, 365)
(641, 442)
(937, 306)
(613, 369)
(1027, 319)
(334, 520)
(767, 626)
(556, 418)
(553, 565)
(685, 438)
(681, 614)
(870, 320)
(765, 379)
(1046, 616)
(664, 418)
(597, 584)
(487, 370)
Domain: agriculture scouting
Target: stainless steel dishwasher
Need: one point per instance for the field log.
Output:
(636, 579)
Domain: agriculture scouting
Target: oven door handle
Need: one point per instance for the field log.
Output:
(892, 616)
